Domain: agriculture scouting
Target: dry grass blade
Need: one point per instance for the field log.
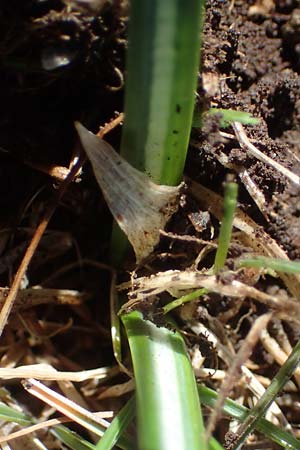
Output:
(234, 371)
(247, 145)
(118, 390)
(9, 302)
(26, 298)
(33, 428)
(271, 345)
(256, 194)
(249, 380)
(47, 372)
(67, 407)
(175, 281)
(257, 238)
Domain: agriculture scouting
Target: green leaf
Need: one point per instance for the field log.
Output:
(226, 117)
(117, 426)
(168, 410)
(280, 265)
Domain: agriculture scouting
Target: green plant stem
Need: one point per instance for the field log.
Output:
(230, 201)
(162, 61)
(184, 299)
(167, 400)
(280, 265)
(162, 66)
(209, 398)
(71, 439)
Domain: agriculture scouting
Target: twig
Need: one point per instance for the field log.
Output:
(187, 238)
(247, 145)
(111, 125)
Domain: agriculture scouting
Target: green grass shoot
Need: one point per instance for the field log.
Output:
(279, 265)
(230, 201)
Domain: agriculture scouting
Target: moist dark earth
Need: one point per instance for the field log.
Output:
(60, 62)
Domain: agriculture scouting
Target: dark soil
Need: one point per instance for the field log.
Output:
(59, 64)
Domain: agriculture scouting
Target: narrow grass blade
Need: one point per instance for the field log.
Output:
(117, 426)
(184, 299)
(168, 411)
(280, 265)
(230, 201)
(260, 408)
(9, 414)
(209, 398)
(72, 439)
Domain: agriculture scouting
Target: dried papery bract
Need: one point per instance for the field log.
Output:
(140, 207)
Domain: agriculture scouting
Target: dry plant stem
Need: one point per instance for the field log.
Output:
(47, 372)
(60, 173)
(234, 371)
(248, 379)
(252, 382)
(8, 305)
(117, 390)
(69, 391)
(67, 407)
(187, 238)
(175, 281)
(256, 194)
(260, 408)
(33, 428)
(111, 125)
(233, 137)
(247, 145)
(272, 346)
